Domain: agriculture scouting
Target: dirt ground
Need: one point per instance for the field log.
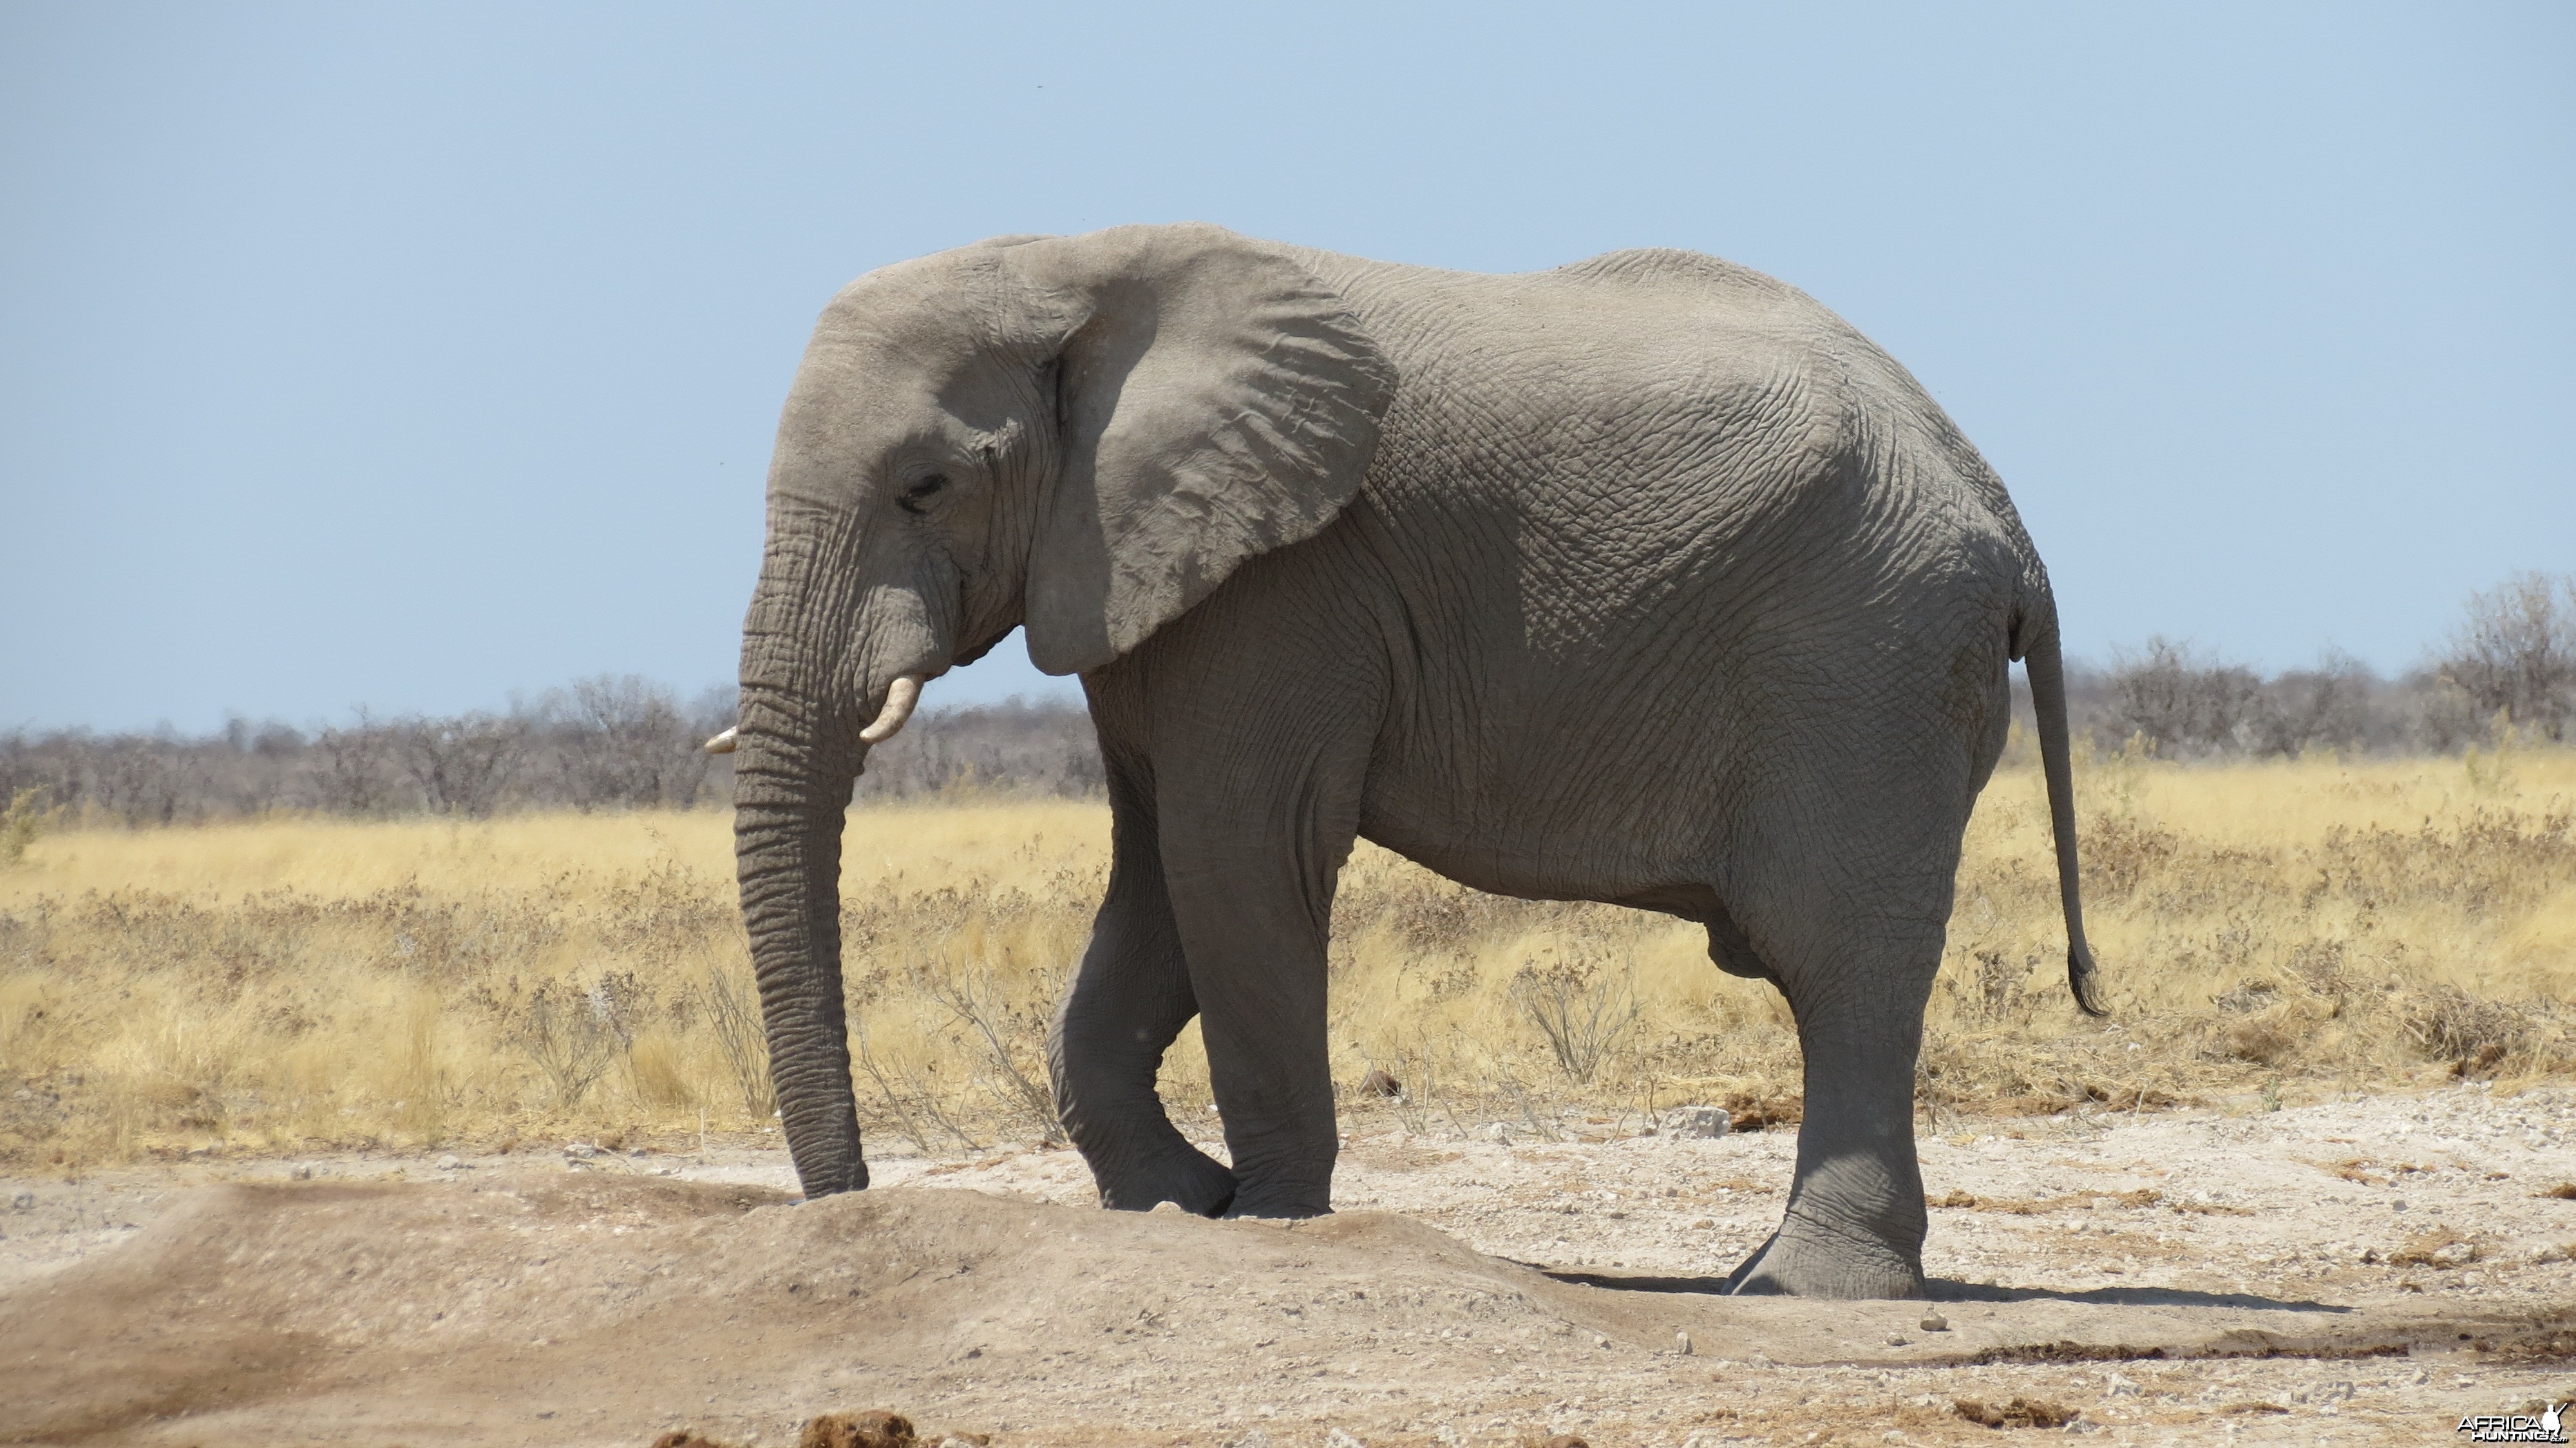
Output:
(2366, 1271)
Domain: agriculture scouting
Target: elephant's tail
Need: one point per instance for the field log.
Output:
(2048, 700)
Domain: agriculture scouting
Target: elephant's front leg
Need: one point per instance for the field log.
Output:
(1252, 860)
(1257, 968)
(1128, 1001)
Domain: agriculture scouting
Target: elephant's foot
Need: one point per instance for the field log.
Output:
(1275, 1210)
(1187, 1177)
(1276, 1192)
(1814, 1265)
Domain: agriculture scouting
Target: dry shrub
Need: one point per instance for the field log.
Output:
(2018, 1413)
(2440, 1247)
(270, 985)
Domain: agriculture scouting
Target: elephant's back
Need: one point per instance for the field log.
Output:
(1656, 424)
(1870, 390)
(1714, 280)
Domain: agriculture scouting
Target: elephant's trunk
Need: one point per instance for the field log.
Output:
(792, 783)
(825, 653)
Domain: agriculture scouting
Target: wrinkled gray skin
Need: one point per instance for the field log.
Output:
(1645, 580)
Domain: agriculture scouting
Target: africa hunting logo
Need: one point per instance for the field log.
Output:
(2516, 1427)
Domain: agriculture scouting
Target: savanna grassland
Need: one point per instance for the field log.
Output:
(2287, 929)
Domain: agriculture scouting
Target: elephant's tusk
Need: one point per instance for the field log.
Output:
(721, 744)
(900, 698)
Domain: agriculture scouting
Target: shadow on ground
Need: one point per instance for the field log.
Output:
(1944, 1289)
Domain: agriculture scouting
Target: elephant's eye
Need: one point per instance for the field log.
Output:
(910, 502)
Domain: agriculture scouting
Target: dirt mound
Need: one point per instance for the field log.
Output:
(609, 1310)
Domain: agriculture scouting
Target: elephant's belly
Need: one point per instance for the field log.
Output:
(1630, 834)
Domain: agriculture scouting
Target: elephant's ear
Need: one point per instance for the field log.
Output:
(1215, 398)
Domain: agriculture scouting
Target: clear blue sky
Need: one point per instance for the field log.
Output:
(416, 355)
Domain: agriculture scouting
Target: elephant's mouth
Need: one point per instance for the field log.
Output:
(902, 696)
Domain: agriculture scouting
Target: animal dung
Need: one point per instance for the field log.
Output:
(1378, 1083)
(875, 1428)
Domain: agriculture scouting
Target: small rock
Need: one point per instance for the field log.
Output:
(1496, 1131)
(1682, 1343)
(2120, 1386)
(875, 1428)
(1935, 1322)
(580, 1150)
(1897, 1339)
(302, 1171)
(1254, 1439)
(1337, 1438)
(1378, 1083)
(23, 1202)
(1599, 1341)
(450, 1162)
(1168, 1209)
(1701, 1122)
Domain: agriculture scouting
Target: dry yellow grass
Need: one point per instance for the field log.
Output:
(282, 985)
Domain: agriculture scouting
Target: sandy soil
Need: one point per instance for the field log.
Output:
(2360, 1272)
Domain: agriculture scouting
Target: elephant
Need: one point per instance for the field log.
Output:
(1644, 580)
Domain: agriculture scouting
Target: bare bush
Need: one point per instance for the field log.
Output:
(461, 765)
(2515, 652)
(20, 823)
(912, 1097)
(573, 1036)
(2182, 702)
(604, 743)
(1016, 747)
(622, 743)
(2327, 707)
(973, 995)
(141, 783)
(733, 1010)
(1581, 1015)
(354, 772)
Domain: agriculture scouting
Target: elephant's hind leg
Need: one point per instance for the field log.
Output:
(1848, 908)
(1128, 1001)
(1854, 1223)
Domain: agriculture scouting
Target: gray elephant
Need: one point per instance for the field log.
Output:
(1645, 580)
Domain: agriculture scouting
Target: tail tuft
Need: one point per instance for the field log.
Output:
(2081, 979)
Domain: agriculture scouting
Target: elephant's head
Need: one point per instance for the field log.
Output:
(1082, 434)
